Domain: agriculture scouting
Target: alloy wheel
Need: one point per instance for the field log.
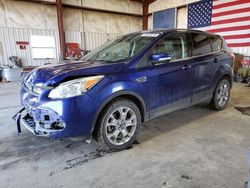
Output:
(120, 125)
(223, 94)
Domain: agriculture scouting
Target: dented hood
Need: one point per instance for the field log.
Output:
(51, 75)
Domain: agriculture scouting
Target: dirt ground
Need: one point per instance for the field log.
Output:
(191, 148)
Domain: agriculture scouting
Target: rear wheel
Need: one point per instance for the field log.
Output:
(119, 125)
(221, 95)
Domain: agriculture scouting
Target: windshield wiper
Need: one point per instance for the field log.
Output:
(119, 60)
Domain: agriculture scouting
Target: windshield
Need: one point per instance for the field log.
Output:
(121, 49)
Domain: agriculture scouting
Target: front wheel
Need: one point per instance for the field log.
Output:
(221, 95)
(119, 125)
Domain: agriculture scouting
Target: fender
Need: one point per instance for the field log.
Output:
(115, 95)
(224, 70)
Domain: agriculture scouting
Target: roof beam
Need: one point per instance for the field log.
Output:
(44, 2)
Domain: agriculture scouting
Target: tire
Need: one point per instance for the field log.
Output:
(118, 125)
(221, 95)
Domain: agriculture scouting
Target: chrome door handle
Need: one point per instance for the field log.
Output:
(142, 79)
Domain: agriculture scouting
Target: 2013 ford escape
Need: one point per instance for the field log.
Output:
(127, 81)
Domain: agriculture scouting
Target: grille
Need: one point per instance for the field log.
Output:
(29, 120)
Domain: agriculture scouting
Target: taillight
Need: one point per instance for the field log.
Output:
(231, 54)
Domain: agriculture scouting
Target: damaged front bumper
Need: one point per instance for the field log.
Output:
(40, 122)
(59, 118)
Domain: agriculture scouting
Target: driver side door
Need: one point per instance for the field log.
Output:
(170, 83)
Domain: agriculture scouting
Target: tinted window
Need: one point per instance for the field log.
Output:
(176, 45)
(201, 44)
(216, 43)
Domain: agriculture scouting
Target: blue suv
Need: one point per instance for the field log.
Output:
(140, 76)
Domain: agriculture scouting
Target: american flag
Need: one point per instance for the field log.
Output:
(228, 18)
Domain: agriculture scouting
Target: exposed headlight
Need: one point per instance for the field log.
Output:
(38, 88)
(74, 87)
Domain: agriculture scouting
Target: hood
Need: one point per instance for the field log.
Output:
(51, 75)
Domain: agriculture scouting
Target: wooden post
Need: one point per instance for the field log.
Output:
(59, 9)
(145, 15)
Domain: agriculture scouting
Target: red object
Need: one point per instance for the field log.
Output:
(73, 50)
(245, 62)
(231, 54)
(22, 43)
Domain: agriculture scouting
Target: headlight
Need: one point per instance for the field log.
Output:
(38, 88)
(74, 87)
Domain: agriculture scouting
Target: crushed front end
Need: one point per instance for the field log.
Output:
(55, 118)
(35, 116)
(41, 122)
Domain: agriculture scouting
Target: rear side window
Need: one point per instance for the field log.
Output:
(201, 44)
(216, 43)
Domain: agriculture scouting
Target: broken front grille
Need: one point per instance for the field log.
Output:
(30, 121)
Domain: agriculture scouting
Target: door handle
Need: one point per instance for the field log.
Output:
(215, 60)
(142, 79)
(186, 67)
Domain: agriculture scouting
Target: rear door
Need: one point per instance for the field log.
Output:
(203, 66)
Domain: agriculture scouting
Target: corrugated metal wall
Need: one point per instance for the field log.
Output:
(92, 40)
(9, 36)
(89, 40)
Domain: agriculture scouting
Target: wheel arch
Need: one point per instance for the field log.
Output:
(224, 71)
(132, 96)
(228, 77)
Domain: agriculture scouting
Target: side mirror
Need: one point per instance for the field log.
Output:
(158, 58)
